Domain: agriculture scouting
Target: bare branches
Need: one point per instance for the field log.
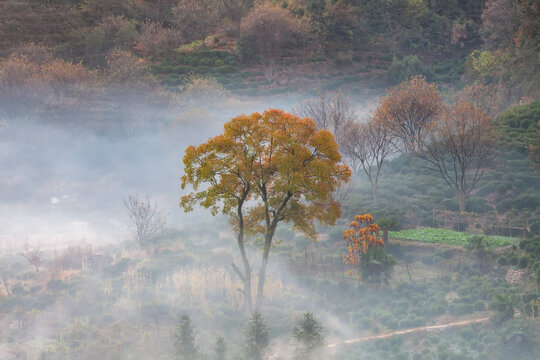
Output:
(34, 257)
(367, 145)
(145, 219)
(457, 140)
(329, 111)
(461, 146)
(408, 111)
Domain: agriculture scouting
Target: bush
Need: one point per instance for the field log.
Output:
(407, 67)
(460, 309)
(524, 261)
(438, 309)
(479, 306)
(206, 62)
(268, 31)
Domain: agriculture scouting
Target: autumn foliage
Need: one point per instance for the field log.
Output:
(265, 169)
(361, 235)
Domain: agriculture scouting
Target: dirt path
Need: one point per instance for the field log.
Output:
(409, 331)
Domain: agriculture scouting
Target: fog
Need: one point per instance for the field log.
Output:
(64, 181)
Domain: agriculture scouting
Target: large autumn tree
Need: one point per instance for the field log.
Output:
(266, 169)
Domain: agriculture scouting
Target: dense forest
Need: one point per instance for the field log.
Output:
(156, 203)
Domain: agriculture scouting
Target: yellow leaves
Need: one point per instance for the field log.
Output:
(483, 62)
(359, 238)
(281, 160)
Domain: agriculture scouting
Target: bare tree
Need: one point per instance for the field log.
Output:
(367, 144)
(267, 33)
(272, 30)
(460, 147)
(145, 219)
(34, 257)
(487, 98)
(409, 110)
(196, 19)
(330, 111)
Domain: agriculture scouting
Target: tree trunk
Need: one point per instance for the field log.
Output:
(461, 198)
(245, 276)
(374, 191)
(262, 271)
(385, 236)
(5, 284)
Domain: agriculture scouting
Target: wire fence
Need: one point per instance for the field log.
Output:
(492, 224)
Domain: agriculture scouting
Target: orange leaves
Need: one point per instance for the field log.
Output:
(366, 218)
(278, 160)
(362, 234)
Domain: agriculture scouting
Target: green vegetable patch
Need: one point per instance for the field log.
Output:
(446, 237)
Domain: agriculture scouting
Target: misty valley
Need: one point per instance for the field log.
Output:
(264, 180)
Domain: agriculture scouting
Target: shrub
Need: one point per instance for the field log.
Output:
(409, 66)
(202, 69)
(154, 39)
(268, 31)
(479, 306)
(202, 88)
(206, 62)
(438, 309)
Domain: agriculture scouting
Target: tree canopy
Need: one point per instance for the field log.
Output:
(282, 163)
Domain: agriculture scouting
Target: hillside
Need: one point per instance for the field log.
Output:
(345, 44)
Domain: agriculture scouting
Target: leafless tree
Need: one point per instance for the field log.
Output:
(408, 111)
(330, 111)
(195, 19)
(145, 218)
(34, 257)
(367, 145)
(461, 146)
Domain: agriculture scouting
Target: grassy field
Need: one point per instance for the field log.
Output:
(446, 237)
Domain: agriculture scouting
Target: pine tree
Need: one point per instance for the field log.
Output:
(309, 336)
(221, 348)
(185, 339)
(257, 338)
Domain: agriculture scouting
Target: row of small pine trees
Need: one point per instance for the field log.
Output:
(308, 336)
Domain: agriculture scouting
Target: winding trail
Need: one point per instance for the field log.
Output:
(409, 331)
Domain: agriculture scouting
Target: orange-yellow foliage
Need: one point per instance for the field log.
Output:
(361, 234)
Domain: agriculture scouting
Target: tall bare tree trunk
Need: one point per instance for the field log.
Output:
(245, 276)
(262, 271)
(374, 190)
(461, 198)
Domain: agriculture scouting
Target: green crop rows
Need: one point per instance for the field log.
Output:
(445, 237)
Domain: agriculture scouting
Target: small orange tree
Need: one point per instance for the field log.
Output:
(361, 234)
(365, 250)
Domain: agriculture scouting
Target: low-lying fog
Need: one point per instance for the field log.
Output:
(63, 180)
